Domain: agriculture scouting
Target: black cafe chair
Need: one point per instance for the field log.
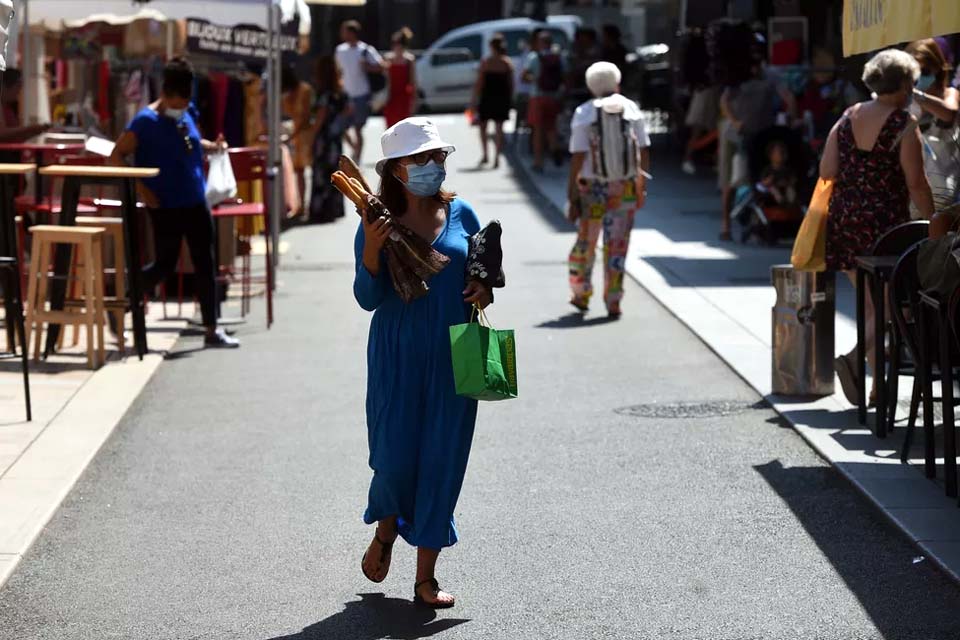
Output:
(895, 242)
(10, 271)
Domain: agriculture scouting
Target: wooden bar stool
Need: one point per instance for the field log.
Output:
(88, 241)
(115, 305)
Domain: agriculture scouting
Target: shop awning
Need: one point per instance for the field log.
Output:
(869, 25)
(54, 14)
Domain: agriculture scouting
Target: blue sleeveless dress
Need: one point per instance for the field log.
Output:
(419, 430)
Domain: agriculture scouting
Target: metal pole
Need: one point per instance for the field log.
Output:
(28, 77)
(276, 193)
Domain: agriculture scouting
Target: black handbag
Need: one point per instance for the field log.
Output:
(938, 261)
(485, 257)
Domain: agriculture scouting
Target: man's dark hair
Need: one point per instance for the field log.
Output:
(612, 31)
(178, 78)
(587, 33)
(352, 26)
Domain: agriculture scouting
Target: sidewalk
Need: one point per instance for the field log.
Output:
(74, 412)
(722, 292)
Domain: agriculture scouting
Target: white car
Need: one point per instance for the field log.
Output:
(447, 70)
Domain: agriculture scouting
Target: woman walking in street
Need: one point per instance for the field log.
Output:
(493, 95)
(606, 185)
(329, 121)
(419, 429)
(402, 73)
(874, 156)
(938, 104)
(297, 103)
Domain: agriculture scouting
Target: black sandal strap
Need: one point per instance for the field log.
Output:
(432, 581)
(386, 545)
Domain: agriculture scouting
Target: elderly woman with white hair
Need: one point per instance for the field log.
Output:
(875, 157)
(607, 183)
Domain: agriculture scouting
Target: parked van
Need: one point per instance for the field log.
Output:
(447, 70)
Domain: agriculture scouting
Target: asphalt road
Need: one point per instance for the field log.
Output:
(597, 505)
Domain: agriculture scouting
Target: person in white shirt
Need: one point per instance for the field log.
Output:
(356, 60)
(607, 183)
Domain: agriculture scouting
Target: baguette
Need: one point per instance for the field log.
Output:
(350, 168)
(359, 188)
(342, 183)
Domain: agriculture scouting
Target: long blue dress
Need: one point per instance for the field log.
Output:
(419, 430)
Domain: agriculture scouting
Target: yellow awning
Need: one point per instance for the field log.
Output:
(869, 25)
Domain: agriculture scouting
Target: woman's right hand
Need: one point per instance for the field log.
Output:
(375, 234)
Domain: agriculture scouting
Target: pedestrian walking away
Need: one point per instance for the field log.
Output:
(874, 156)
(297, 103)
(544, 69)
(606, 184)
(419, 429)
(359, 63)
(493, 95)
(330, 119)
(165, 135)
(402, 71)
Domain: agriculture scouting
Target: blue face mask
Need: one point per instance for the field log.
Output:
(924, 82)
(425, 181)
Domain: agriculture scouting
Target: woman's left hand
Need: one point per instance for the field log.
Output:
(478, 294)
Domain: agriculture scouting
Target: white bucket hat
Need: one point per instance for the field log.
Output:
(410, 137)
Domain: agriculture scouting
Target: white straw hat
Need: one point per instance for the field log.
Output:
(410, 137)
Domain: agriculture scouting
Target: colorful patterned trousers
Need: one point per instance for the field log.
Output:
(607, 207)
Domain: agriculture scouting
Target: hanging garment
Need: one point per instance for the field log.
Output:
(219, 83)
(234, 114)
(103, 93)
(253, 122)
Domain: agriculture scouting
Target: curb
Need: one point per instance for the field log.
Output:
(529, 184)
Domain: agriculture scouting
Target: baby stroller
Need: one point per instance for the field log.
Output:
(756, 210)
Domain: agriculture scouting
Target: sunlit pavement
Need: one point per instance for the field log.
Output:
(635, 489)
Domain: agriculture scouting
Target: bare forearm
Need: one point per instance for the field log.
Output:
(943, 110)
(922, 197)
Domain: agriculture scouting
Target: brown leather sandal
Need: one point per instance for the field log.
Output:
(435, 587)
(386, 554)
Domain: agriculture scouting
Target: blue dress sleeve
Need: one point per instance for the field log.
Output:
(468, 218)
(367, 289)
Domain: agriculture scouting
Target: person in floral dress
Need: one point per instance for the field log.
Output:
(606, 184)
(875, 158)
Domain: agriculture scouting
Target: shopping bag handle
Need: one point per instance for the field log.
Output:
(477, 311)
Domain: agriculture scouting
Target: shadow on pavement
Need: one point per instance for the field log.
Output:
(904, 599)
(574, 320)
(376, 617)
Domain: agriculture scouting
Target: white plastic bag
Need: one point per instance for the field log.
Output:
(221, 183)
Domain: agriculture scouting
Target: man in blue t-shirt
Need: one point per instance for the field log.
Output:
(165, 135)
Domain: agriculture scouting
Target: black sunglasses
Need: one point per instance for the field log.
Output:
(437, 155)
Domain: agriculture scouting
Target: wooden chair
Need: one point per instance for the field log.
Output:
(88, 241)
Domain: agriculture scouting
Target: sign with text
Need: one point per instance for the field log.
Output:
(869, 25)
(239, 42)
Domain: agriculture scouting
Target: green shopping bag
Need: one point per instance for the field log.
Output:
(484, 360)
